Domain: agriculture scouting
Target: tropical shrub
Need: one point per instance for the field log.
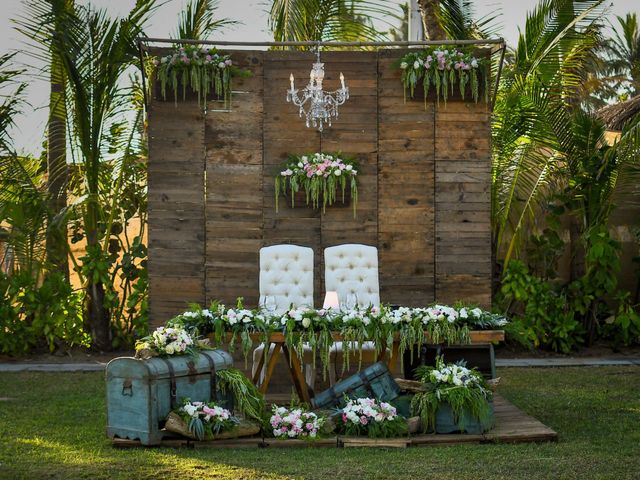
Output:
(39, 315)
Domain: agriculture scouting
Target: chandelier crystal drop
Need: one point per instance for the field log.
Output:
(318, 106)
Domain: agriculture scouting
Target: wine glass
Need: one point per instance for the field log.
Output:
(351, 301)
(269, 304)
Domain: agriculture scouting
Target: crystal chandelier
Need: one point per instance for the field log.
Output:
(316, 105)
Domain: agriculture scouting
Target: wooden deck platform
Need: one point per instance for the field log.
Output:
(512, 426)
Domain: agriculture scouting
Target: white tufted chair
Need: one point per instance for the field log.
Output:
(352, 269)
(286, 273)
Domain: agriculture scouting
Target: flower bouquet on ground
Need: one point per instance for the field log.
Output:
(295, 423)
(367, 416)
(166, 341)
(201, 420)
(456, 398)
(320, 175)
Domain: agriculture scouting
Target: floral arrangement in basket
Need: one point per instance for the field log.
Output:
(464, 390)
(367, 416)
(167, 341)
(320, 175)
(202, 69)
(444, 67)
(204, 420)
(295, 423)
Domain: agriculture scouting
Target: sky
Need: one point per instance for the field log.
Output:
(252, 13)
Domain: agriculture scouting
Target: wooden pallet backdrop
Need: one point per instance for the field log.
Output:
(424, 196)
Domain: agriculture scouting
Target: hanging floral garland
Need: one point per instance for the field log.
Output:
(443, 68)
(320, 175)
(202, 69)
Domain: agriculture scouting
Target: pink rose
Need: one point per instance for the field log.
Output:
(364, 420)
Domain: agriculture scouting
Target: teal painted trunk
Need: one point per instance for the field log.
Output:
(374, 382)
(141, 393)
(445, 423)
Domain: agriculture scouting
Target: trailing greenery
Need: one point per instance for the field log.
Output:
(464, 390)
(247, 398)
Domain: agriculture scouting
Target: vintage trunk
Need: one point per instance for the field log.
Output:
(374, 382)
(141, 393)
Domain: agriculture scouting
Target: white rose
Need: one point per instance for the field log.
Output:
(477, 312)
(348, 168)
(463, 313)
(222, 65)
(190, 410)
(416, 64)
(169, 349)
(337, 173)
(306, 321)
(474, 63)
(403, 65)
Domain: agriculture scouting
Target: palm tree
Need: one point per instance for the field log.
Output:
(95, 52)
(329, 20)
(624, 55)
(23, 199)
(544, 73)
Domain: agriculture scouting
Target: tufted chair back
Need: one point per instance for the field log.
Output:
(286, 273)
(353, 268)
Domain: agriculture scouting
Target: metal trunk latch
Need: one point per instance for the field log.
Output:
(127, 388)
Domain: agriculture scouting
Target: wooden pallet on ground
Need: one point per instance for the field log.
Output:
(512, 426)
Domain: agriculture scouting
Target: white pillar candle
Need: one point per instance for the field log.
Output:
(291, 80)
(342, 80)
(331, 300)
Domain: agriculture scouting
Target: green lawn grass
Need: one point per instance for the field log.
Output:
(53, 426)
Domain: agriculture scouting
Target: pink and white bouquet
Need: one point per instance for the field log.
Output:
(295, 423)
(367, 416)
(443, 67)
(319, 175)
(205, 420)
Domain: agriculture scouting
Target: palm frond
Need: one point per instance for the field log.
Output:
(197, 20)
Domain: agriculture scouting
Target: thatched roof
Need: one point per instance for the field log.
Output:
(615, 116)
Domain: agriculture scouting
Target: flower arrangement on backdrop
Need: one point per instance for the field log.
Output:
(442, 68)
(464, 389)
(322, 176)
(204, 70)
(317, 327)
(367, 416)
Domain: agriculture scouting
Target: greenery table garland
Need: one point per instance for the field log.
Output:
(444, 67)
(317, 328)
